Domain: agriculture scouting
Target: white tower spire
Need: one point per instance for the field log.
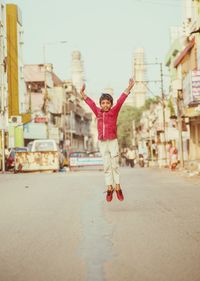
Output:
(77, 70)
(138, 97)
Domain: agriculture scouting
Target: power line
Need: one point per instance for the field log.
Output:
(170, 4)
(162, 97)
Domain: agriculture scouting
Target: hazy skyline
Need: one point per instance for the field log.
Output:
(106, 33)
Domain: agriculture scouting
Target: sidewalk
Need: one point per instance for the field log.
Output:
(191, 169)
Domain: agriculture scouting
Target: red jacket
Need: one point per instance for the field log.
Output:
(107, 121)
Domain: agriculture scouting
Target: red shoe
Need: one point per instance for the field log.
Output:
(109, 195)
(120, 195)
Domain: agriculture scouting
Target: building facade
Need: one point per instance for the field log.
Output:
(183, 61)
(16, 85)
(140, 90)
(3, 86)
(77, 71)
(56, 109)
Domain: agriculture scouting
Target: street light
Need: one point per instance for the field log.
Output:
(45, 81)
(163, 112)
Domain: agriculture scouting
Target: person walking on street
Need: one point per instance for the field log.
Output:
(106, 116)
(173, 157)
(131, 155)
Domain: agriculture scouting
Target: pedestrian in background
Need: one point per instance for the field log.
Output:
(107, 135)
(124, 160)
(131, 155)
(121, 159)
(173, 157)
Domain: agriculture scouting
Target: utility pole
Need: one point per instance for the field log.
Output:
(163, 111)
(150, 139)
(162, 101)
(46, 106)
(64, 113)
(180, 112)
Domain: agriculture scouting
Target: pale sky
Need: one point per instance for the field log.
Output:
(106, 32)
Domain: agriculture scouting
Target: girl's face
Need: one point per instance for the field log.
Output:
(105, 105)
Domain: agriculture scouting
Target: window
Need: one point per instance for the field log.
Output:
(193, 134)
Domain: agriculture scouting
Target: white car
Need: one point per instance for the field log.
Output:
(47, 145)
(44, 145)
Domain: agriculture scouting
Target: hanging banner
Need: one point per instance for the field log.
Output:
(195, 87)
(191, 87)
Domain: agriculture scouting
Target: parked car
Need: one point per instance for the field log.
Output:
(10, 159)
(94, 154)
(78, 154)
(47, 145)
(43, 145)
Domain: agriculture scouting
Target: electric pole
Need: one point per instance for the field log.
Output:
(163, 111)
(162, 102)
(2, 84)
(180, 113)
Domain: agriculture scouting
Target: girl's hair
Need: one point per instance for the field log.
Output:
(106, 97)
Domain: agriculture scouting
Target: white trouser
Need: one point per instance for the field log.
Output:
(110, 152)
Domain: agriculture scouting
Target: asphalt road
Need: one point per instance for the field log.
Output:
(58, 227)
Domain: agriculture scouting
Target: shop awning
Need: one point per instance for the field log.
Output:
(184, 52)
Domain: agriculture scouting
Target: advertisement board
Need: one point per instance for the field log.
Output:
(196, 85)
(191, 87)
(35, 131)
(86, 162)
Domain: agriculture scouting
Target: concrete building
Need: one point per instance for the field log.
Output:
(37, 76)
(77, 135)
(184, 68)
(77, 74)
(77, 71)
(140, 90)
(63, 119)
(3, 86)
(13, 98)
(12, 95)
(153, 130)
(16, 85)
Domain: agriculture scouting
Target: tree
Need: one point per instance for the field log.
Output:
(125, 124)
(127, 115)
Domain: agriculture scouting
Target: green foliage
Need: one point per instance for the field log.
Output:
(171, 107)
(127, 115)
(151, 101)
(125, 124)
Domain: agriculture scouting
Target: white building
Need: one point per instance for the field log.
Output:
(77, 70)
(140, 90)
